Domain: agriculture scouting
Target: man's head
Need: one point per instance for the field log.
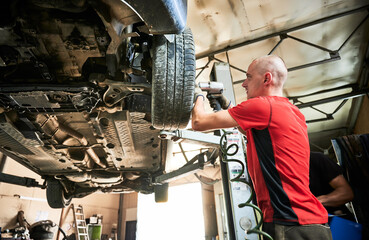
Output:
(265, 77)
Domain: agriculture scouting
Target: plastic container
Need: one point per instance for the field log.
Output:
(343, 229)
(94, 231)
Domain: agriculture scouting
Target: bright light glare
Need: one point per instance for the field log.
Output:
(180, 218)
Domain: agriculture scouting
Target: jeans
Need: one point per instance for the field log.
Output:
(298, 232)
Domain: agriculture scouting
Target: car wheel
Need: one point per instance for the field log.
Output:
(173, 81)
(161, 192)
(55, 195)
(45, 235)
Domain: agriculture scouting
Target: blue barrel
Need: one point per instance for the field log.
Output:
(343, 229)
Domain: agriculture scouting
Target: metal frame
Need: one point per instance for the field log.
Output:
(285, 32)
(196, 163)
(344, 97)
(12, 179)
(2, 161)
(199, 138)
(334, 56)
(21, 181)
(188, 168)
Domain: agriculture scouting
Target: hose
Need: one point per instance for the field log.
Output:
(229, 151)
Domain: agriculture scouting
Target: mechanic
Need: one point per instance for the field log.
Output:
(277, 152)
(329, 185)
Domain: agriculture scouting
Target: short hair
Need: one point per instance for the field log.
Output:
(273, 64)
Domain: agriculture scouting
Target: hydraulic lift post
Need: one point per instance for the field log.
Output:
(235, 193)
(237, 219)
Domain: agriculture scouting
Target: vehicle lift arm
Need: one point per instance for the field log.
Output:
(22, 181)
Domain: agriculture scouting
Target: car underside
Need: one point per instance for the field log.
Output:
(85, 89)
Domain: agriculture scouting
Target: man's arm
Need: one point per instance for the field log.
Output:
(202, 121)
(341, 194)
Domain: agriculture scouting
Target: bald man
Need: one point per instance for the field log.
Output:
(277, 152)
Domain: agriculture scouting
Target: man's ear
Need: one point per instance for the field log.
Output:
(267, 77)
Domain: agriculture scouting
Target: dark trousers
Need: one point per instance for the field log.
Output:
(298, 232)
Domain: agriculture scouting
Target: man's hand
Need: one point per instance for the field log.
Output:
(222, 100)
(198, 93)
(341, 194)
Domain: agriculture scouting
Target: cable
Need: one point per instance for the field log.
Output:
(227, 152)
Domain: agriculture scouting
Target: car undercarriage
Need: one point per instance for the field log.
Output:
(85, 89)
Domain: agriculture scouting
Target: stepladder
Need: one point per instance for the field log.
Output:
(80, 223)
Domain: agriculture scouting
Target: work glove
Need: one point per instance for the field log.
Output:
(198, 93)
(221, 99)
(224, 102)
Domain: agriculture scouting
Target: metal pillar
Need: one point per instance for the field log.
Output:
(235, 193)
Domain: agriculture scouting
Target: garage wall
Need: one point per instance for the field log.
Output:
(129, 212)
(210, 218)
(105, 205)
(11, 203)
(37, 209)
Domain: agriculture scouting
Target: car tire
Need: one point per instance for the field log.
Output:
(55, 195)
(42, 235)
(161, 193)
(173, 81)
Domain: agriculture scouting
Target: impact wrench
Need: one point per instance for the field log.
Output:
(214, 92)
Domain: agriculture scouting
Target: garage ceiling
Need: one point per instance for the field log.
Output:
(323, 42)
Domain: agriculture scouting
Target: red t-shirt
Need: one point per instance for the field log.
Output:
(278, 160)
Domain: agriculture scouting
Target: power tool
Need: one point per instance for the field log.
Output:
(214, 92)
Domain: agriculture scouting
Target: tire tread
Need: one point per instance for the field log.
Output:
(173, 81)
